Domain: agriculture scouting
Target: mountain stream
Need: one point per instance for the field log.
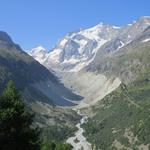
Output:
(78, 141)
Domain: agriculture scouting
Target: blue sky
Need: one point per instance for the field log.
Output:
(44, 22)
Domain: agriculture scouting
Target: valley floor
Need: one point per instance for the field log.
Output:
(78, 141)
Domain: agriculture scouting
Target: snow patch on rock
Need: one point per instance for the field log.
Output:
(39, 53)
(146, 40)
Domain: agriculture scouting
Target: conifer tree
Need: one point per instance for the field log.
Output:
(16, 130)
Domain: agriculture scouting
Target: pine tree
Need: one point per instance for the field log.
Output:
(16, 131)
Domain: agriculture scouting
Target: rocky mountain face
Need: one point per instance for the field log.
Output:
(78, 49)
(121, 119)
(88, 61)
(35, 81)
(109, 69)
(39, 53)
(127, 63)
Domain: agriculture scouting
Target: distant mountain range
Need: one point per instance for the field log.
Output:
(89, 62)
(78, 49)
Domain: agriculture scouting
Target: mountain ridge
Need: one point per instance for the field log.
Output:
(78, 49)
(29, 76)
(88, 55)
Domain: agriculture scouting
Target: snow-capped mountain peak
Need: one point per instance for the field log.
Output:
(39, 53)
(100, 31)
(38, 49)
(77, 49)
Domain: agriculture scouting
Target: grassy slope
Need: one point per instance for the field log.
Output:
(122, 119)
(57, 123)
(17, 65)
(122, 116)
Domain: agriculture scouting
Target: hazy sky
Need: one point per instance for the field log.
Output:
(44, 22)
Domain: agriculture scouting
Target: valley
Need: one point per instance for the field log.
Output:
(91, 91)
(78, 141)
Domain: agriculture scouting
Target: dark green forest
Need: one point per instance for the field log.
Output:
(17, 129)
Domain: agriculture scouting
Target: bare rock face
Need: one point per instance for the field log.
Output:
(93, 62)
(78, 49)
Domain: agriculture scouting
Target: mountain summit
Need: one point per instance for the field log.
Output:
(4, 37)
(77, 49)
(39, 53)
